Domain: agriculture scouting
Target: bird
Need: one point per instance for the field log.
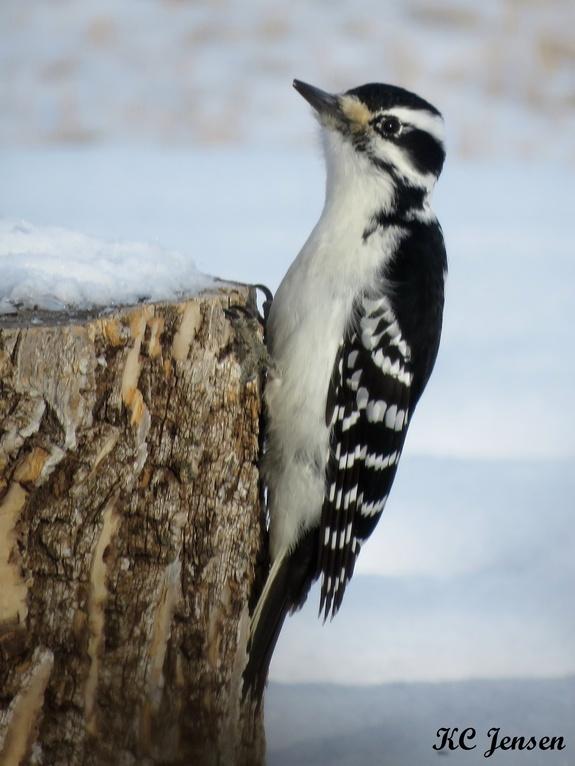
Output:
(353, 334)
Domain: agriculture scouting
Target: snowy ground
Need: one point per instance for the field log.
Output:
(470, 573)
(396, 724)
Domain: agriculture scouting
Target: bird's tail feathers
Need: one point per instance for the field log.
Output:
(286, 589)
(265, 628)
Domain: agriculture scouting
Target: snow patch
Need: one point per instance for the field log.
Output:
(57, 269)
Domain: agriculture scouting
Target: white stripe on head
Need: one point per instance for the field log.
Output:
(420, 119)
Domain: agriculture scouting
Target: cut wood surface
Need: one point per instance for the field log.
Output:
(130, 527)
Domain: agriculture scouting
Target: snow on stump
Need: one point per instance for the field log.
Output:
(129, 532)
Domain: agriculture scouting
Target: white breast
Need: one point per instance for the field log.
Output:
(307, 321)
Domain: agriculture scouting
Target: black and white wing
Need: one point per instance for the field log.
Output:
(368, 411)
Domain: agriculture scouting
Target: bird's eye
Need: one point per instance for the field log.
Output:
(389, 126)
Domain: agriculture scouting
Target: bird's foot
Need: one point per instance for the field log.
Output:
(251, 311)
(249, 325)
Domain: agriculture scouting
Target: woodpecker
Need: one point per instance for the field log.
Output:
(353, 334)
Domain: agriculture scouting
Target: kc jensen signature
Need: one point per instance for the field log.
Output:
(464, 739)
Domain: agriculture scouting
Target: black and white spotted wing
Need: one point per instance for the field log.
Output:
(368, 411)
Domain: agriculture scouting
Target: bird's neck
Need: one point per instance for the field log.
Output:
(359, 192)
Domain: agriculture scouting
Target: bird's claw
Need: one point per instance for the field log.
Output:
(250, 311)
(254, 356)
(267, 304)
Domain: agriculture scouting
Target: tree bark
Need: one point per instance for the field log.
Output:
(130, 527)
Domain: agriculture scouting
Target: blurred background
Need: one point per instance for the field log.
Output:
(218, 72)
(174, 122)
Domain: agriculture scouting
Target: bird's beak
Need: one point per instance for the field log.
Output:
(325, 104)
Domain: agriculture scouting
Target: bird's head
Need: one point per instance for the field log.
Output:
(382, 128)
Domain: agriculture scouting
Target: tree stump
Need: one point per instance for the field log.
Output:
(130, 527)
